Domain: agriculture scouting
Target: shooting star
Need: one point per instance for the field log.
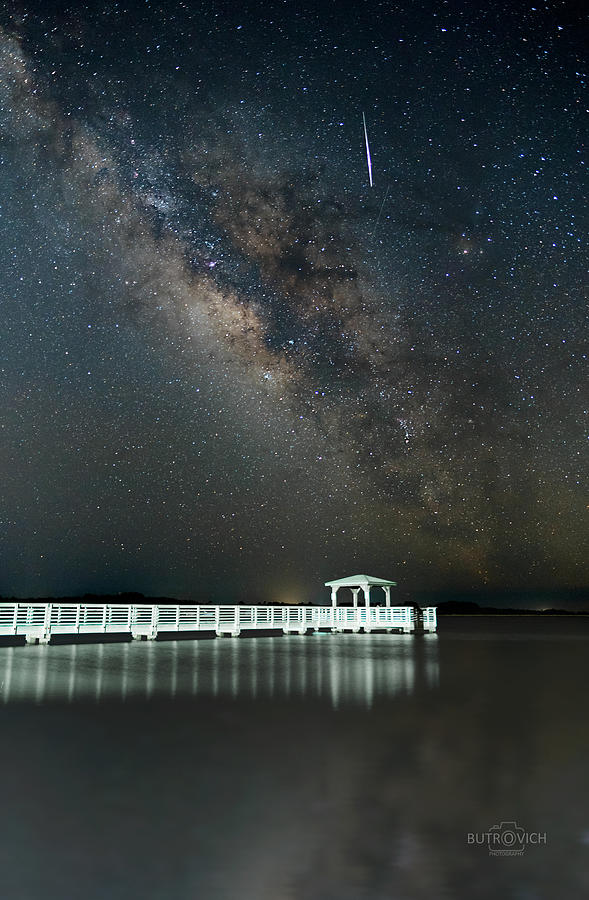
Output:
(368, 160)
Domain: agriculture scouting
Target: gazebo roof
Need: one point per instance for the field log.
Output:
(360, 581)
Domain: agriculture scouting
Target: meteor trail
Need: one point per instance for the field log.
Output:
(368, 160)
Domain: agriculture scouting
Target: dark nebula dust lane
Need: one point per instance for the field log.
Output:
(231, 364)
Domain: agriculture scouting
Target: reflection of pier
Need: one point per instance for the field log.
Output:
(38, 622)
(341, 669)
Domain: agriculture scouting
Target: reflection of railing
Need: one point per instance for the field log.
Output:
(343, 669)
(38, 621)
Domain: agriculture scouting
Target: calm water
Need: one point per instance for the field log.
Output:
(332, 767)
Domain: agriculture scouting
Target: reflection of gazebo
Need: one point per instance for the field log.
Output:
(358, 583)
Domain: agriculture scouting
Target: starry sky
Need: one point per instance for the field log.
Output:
(231, 368)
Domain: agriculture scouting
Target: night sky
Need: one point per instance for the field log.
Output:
(232, 369)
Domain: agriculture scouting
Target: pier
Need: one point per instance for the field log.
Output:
(39, 622)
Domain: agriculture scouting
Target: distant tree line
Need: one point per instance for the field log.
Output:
(444, 607)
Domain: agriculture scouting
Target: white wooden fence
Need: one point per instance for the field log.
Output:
(39, 621)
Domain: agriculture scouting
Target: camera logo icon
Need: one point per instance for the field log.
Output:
(507, 839)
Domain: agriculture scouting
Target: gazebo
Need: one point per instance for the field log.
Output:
(358, 583)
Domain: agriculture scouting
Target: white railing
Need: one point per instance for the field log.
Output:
(430, 621)
(38, 621)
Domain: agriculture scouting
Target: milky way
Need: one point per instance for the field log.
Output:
(233, 368)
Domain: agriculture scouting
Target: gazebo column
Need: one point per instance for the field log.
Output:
(366, 589)
(334, 596)
(355, 592)
(387, 593)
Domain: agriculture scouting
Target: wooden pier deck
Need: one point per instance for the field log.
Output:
(38, 622)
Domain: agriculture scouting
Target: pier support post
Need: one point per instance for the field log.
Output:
(152, 633)
(46, 636)
(408, 625)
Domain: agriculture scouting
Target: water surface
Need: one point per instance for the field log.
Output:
(331, 767)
